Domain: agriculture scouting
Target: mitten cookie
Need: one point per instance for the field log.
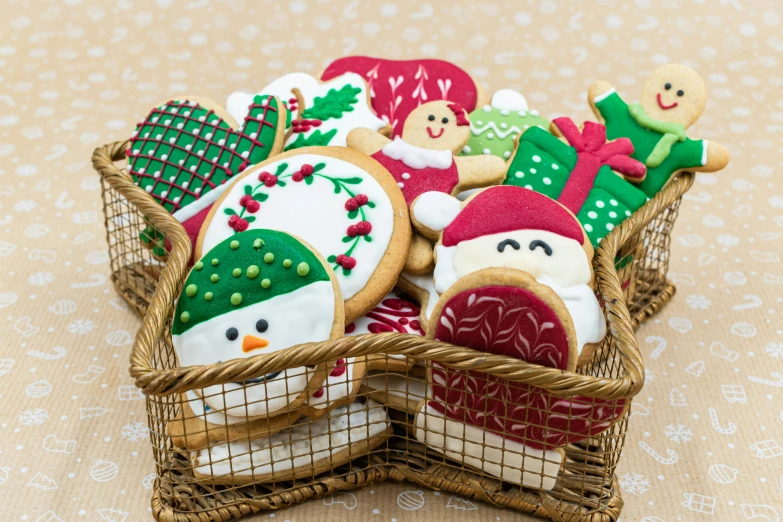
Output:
(241, 299)
(510, 430)
(672, 99)
(185, 151)
(341, 202)
(323, 113)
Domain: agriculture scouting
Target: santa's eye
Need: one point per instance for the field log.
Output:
(680, 93)
(667, 86)
(262, 325)
(507, 242)
(431, 117)
(538, 243)
(445, 120)
(232, 334)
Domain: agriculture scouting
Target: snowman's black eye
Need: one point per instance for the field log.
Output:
(680, 93)
(262, 325)
(667, 86)
(507, 242)
(232, 334)
(538, 243)
(431, 117)
(445, 120)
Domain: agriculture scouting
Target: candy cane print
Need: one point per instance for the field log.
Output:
(729, 430)
(672, 455)
(769, 382)
(660, 345)
(59, 353)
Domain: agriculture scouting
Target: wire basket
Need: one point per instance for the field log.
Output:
(206, 470)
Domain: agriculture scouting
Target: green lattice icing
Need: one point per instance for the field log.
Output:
(543, 163)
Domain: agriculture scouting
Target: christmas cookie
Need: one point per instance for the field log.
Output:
(338, 200)
(241, 299)
(581, 175)
(494, 128)
(422, 289)
(185, 151)
(306, 449)
(323, 113)
(341, 385)
(509, 430)
(398, 87)
(672, 99)
(513, 227)
(401, 391)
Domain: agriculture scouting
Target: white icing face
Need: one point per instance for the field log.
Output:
(563, 260)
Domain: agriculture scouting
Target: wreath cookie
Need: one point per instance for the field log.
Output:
(341, 202)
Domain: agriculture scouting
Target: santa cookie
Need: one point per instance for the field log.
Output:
(397, 87)
(507, 429)
(340, 201)
(672, 99)
(513, 227)
(240, 300)
(323, 113)
(494, 128)
(186, 150)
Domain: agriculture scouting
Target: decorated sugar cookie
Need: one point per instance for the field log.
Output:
(582, 175)
(422, 289)
(323, 113)
(341, 202)
(398, 87)
(494, 128)
(400, 391)
(672, 99)
(513, 227)
(241, 299)
(305, 449)
(341, 385)
(185, 151)
(510, 430)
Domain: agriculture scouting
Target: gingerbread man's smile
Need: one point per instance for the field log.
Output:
(435, 136)
(665, 107)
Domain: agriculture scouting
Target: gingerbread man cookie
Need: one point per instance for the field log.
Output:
(672, 99)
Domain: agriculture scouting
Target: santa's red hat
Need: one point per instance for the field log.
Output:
(506, 208)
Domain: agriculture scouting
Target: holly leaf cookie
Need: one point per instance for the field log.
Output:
(185, 150)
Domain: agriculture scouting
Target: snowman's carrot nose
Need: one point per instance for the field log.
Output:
(251, 342)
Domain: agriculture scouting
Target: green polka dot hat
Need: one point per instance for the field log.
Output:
(245, 269)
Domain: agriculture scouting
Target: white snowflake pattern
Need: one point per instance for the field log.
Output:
(728, 240)
(40, 278)
(634, 483)
(33, 417)
(135, 431)
(678, 433)
(25, 205)
(698, 302)
(774, 350)
(80, 327)
(776, 201)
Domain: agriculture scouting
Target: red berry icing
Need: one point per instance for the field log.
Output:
(297, 176)
(361, 199)
(352, 231)
(306, 169)
(363, 228)
(351, 204)
(253, 206)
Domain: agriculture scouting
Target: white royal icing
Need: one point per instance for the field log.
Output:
(305, 444)
(418, 157)
(336, 388)
(602, 97)
(203, 411)
(584, 309)
(190, 210)
(402, 386)
(425, 283)
(436, 210)
(508, 99)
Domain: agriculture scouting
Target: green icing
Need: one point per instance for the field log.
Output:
(191, 290)
(672, 133)
(184, 317)
(269, 257)
(287, 263)
(493, 130)
(543, 163)
(683, 154)
(253, 271)
(234, 245)
(228, 293)
(236, 272)
(199, 265)
(314, 139)
(333, 104)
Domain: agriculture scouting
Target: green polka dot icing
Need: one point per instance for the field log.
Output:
(234, 245)
(494, 127)
(287, 263)
(269, 257)
(215, 262)
(199, 265)
(191, 290)
(543, 163)
(236, 272)
(230, 293)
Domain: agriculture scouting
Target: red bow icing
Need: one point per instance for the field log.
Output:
(593, 152)
(459, 112)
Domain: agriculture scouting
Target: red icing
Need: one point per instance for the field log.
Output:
(513, 322)
(459, 112)
(393, 314)
(421, 180)
(665, 107)
(193, 226)
(339, 368)
(434, 136)
(397, 87)
(593, 152)
(506, 208)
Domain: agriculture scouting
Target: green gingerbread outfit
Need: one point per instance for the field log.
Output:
(661, 146)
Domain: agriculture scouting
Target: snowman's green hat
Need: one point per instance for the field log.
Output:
(243, 270)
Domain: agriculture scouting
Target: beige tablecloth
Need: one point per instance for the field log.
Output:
(706, 434)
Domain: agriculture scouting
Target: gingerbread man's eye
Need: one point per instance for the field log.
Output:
(538, 243)
(445, 120)
(667, 86)
(232, 334)
(431, 117)
(680, 93)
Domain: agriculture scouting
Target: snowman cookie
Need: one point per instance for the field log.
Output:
(340, 201)
(507, 429)
(494, 128)
(322, 113)
(186, 150)
(672, 99)
(257, 292)
(514, 227)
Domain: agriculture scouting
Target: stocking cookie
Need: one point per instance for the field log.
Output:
(240, 300)
(339, 201)
(582, 174)
(185, 151)
(510, 430)
(494, 128)
(672, 99)
(513, 227)
(323, 113)
(398, 87)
